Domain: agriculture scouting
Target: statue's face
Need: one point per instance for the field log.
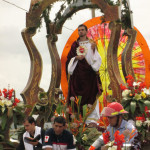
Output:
(82, 31)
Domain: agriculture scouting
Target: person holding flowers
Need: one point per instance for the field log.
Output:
(83, 63)
(119, 130)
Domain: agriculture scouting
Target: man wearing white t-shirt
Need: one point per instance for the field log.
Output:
(83, 63)
(33, 137)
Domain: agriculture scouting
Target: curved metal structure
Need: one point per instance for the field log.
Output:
(111, 13)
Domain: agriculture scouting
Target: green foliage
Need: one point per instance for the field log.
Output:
(136, 107)
(36, 5)
(110, 2)
(58, 15)
(125, 15)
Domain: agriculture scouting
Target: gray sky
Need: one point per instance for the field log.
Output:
(14, 57)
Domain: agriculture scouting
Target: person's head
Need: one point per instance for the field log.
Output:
(59, 125)
(82, 30)
(29, 124)
(114, 113)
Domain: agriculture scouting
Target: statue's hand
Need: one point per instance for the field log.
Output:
(93, 46)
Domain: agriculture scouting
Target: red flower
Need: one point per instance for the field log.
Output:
(92, 148)
(147, 111)
(140, 118)
(106, 136)
(119, 140)
(5, 93)
(14, 104)
(0, 93)
(17, 100)
(122, 87)
(130, 80)
(142, 86)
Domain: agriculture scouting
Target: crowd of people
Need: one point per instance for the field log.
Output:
(82, 67)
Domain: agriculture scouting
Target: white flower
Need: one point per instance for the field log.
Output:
(136, 83)
(138, 123)
(110, 143)
(74, 140)
(125, 93)
(147, 122)
(146, 91)
(8, 103)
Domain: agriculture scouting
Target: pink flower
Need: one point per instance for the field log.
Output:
(72, 98)
(52, 119)
(67, 110)
(72, 116)
(89, 106)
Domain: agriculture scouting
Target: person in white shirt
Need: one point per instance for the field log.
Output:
(32, 131)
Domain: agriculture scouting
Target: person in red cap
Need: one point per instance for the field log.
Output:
(114, 112)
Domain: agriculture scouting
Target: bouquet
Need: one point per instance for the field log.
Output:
(10, 107)
(136, 97)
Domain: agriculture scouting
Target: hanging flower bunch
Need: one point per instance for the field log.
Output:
(135, 97)
(143, 127)
(7, 98)
(10, 107)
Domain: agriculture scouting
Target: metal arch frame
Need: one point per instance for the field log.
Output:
(30, 93)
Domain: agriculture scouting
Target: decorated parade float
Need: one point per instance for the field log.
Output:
(125, 72)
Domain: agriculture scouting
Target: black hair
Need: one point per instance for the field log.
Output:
(30, 119)
(82, 25)
(61, 120)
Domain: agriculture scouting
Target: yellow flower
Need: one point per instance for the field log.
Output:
(84, 138)
(143, 95)
(137, 96)
(1, 103)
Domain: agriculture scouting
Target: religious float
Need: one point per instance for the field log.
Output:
(125, 70)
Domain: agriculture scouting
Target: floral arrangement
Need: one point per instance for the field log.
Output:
(143, 127)
(136, 97)
(10, 107)
(84, 135)
(136, 100)
(117, 144)
(81, 50)
(11, 112)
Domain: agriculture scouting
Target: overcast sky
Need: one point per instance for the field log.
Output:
(14, 57)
